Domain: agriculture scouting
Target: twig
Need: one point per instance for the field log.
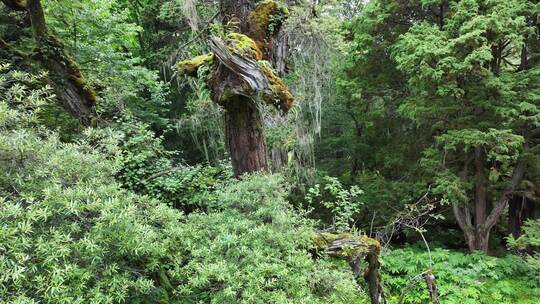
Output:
(371, 225)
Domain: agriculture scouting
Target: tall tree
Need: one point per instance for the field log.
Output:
(241, 77)
(473, 81)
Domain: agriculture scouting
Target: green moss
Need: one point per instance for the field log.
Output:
(280, 97)
(354, 246)
(265, 20)
(243, 45)
(189, 67)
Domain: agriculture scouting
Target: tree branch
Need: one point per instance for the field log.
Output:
(517, 177)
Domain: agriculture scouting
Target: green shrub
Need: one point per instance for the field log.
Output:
(251, 247)
(342, 203)
(147, 168)
(69, 233)
(461, 278)
(529, 241)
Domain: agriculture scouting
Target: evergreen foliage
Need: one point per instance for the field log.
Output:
(415, 123)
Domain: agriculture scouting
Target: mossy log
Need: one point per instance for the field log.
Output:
(354, 249)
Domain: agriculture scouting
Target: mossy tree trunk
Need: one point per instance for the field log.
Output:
(70, 87)
(243, 122)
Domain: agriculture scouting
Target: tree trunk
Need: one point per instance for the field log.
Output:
(245, 138)
(477, 239)
(515, 215)
(65, 76)
(279, 157)
(522, 208)
(480, 197)
(477, 232)
(243, 121)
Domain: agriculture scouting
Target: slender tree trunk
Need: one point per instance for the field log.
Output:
(480, 197)
(37, 18)
(479, 237)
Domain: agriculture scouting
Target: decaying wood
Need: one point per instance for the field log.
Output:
(429, 277)
(354, 249)
(244, 67)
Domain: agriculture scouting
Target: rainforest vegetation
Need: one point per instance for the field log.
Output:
(269, 151)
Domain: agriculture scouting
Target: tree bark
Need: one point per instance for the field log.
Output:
(243, 121)
(480, 198)
(37, 18)
(65, 76)
(245, 138)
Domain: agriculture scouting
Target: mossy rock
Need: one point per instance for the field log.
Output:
(190, 67)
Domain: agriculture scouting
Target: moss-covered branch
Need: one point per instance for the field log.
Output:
(190, 67)
(243, 57)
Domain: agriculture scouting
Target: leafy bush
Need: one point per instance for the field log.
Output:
(529, 240)
(251, 247)
(461, 278)
(148, 168)
(70, 234)
(342, 203)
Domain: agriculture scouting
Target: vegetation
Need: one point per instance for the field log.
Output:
(182, 151)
